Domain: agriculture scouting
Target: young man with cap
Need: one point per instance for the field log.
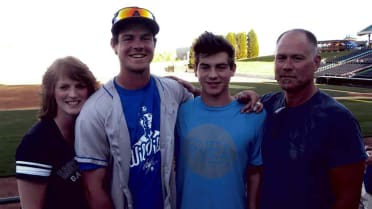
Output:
(125, 132)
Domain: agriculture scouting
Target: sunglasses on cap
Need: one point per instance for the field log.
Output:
(129, 12)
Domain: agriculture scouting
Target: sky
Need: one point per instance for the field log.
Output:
(33, 33)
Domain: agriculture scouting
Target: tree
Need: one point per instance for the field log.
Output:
(231, 37)
(165, 56)
(191, 56)
(252, 43)
(241, 40)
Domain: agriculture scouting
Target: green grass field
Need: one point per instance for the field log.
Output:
(258, 68)
(13, 124)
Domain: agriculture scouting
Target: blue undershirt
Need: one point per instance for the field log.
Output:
(142, 113)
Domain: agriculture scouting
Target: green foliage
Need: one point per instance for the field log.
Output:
(253, 48)
(191, 56)
(231, 37)
(166, 56)
(241, 40)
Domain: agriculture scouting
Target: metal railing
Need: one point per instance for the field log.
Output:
(9, 200)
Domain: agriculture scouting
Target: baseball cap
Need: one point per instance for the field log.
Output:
(133, 15)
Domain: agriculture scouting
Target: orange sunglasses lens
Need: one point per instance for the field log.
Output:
(132, 12)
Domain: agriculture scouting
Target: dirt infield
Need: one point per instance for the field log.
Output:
(19, 97)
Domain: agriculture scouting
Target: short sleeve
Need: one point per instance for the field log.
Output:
(91, 145)
(33, 159)
(346, 143)
(255, 147)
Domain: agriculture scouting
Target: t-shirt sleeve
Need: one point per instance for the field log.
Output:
(346, 142)
(368, 179)
(33, 159)
(255, 148)
(91, 145)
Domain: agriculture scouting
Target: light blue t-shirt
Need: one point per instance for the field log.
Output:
(214, 147)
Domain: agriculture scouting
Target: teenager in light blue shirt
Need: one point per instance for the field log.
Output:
(218, 148)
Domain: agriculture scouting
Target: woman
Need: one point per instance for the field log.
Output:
(47, 174)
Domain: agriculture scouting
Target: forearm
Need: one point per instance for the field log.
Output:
(251, 100)
(348, 199)
(32, 194)
(254, 183)
(347, 203)
(346, 184)
(96, 189)
(99, 199)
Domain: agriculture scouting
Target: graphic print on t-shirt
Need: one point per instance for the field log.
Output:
(70, 171)
(211, 151)
(145, 149)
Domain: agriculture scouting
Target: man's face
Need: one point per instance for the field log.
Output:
(295, 62)
(214, 74)
(135, 48)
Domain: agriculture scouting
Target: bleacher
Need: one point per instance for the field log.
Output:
(365, 74)
(348, 65)
(344, 70)
(353, 54)
(352, 69)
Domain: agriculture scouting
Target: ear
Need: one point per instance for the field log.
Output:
(113, 45)
(195, 70)
(317, 61)
(233, 69)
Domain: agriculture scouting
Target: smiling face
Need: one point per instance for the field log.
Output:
(214, 73)
(70, 95)
(296, 61)
(135, 48)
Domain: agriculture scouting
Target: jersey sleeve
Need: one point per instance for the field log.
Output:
(179, 92)
(33, 159)
(91, 145)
